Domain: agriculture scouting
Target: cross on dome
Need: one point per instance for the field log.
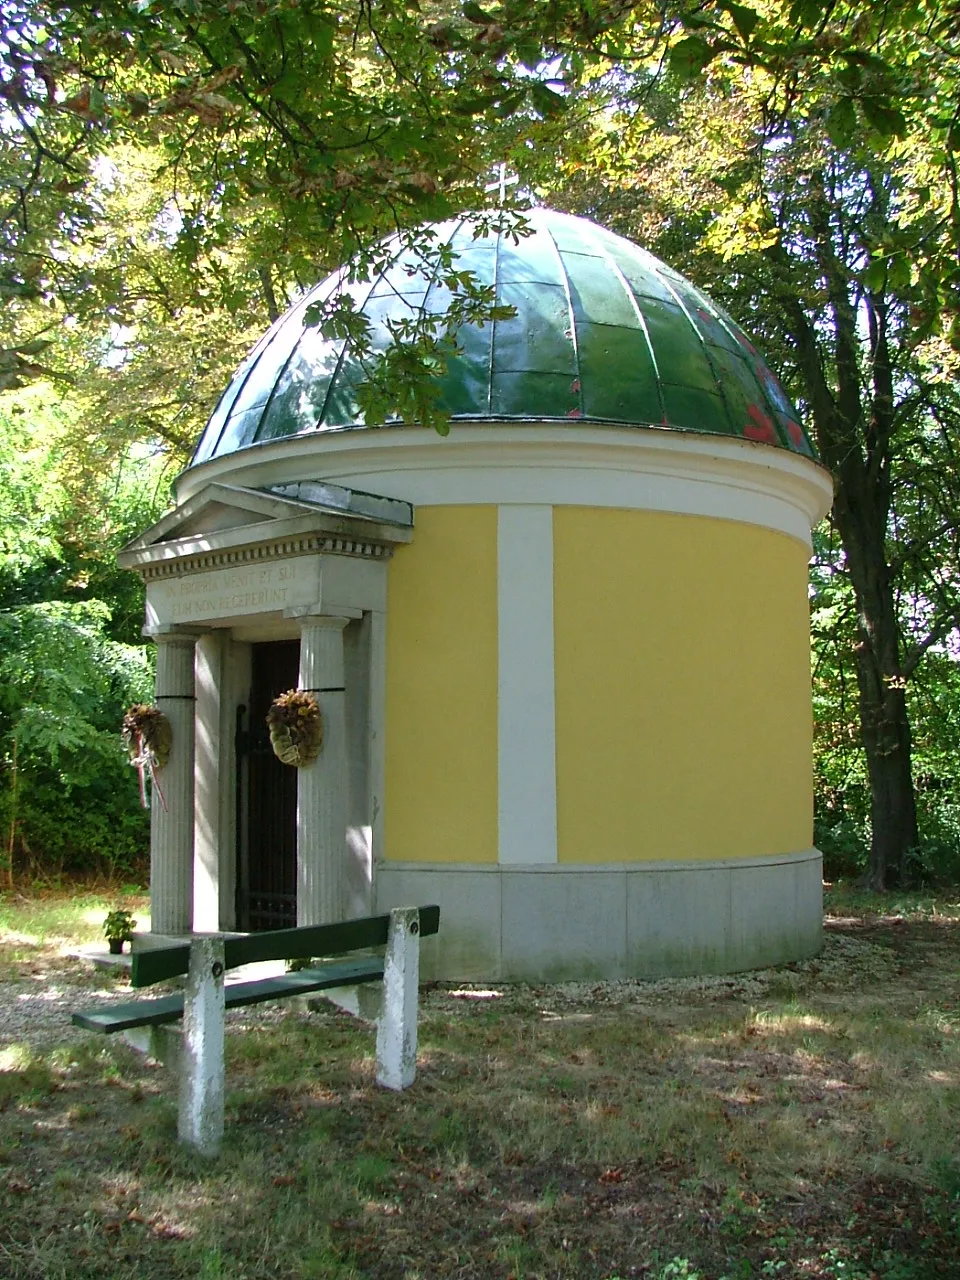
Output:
(501, 182)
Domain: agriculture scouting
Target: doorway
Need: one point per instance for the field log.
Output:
(266, 798)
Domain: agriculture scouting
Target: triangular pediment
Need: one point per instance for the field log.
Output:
(221, 517)
(218, 507)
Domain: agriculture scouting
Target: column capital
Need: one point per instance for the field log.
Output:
(306, 616)
(170, 632)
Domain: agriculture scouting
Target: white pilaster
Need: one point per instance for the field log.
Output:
(172, 819)
(377, 768)
(526, 714)
(322, 785)
(358, 869)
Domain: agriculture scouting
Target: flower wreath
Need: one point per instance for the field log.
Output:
(296, 727)
(149, 737)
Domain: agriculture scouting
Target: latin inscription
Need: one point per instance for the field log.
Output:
(228, 593)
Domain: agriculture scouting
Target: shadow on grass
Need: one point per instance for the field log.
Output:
(798, 1123)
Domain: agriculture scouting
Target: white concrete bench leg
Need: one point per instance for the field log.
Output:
(200, 1122)
(397, 1024)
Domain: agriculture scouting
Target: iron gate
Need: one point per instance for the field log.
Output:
(266, 799)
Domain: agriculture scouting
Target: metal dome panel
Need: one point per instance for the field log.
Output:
(603, 332)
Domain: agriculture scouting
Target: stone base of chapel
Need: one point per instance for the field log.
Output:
(559, 923)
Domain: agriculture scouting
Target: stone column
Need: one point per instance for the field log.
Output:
(322, 785)
(209, 775)
(171, 820)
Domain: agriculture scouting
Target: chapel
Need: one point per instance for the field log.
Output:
(561, 654)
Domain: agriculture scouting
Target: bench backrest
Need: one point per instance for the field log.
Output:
(159, 963)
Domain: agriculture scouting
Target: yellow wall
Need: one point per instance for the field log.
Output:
(683, 704)
(441, 709)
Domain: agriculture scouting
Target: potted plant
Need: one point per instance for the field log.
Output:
(118, 929)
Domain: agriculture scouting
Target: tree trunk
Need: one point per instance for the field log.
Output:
(855, 442)
(887, 745)
(269, 293)
(860, 512)
(14, 798)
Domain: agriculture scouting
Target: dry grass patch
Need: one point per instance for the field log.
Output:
(796, 1123)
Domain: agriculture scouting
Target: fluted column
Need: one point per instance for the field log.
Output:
(171, 820)
(322, 785)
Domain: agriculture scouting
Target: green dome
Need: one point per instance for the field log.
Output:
(603, 333)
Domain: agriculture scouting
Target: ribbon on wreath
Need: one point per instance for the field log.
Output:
(145, 762)
(148, 735)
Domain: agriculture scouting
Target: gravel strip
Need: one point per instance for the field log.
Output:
(35, 1009)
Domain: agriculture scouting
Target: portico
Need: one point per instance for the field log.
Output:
(247, 588)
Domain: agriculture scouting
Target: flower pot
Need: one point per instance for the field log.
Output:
(116, 946)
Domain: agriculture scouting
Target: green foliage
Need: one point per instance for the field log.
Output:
(68, 799)
(271, 141)
(66, 508)
(679, 1269)
(816, 196)
(31, 498)
(192, 166)
(842, 794)
(172, 174)
(71, 656)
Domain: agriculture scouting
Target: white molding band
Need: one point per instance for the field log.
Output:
(526, 726)
(636, 468)
(604, 868)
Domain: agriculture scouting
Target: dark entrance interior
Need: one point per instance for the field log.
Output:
(266, 799)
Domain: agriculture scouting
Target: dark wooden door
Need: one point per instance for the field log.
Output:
(266, 799)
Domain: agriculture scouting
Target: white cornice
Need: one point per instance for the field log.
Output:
(166, 561)
(290, 528)
(639, 468)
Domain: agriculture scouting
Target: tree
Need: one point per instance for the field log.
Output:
(150, 364)
(62, 520)
(70, 653)
(291, 135)
(66, 800)
(826, 217)
(289, 138)
(296, 134)
(842, 790)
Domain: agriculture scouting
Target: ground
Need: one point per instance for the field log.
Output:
(800, 1122)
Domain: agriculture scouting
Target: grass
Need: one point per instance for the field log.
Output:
(41, 919)
(795, 1123)
(843, 898)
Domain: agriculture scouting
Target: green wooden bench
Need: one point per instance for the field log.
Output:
(204, 961)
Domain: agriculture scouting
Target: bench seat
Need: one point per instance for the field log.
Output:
(206, 958)
(155, 1012)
